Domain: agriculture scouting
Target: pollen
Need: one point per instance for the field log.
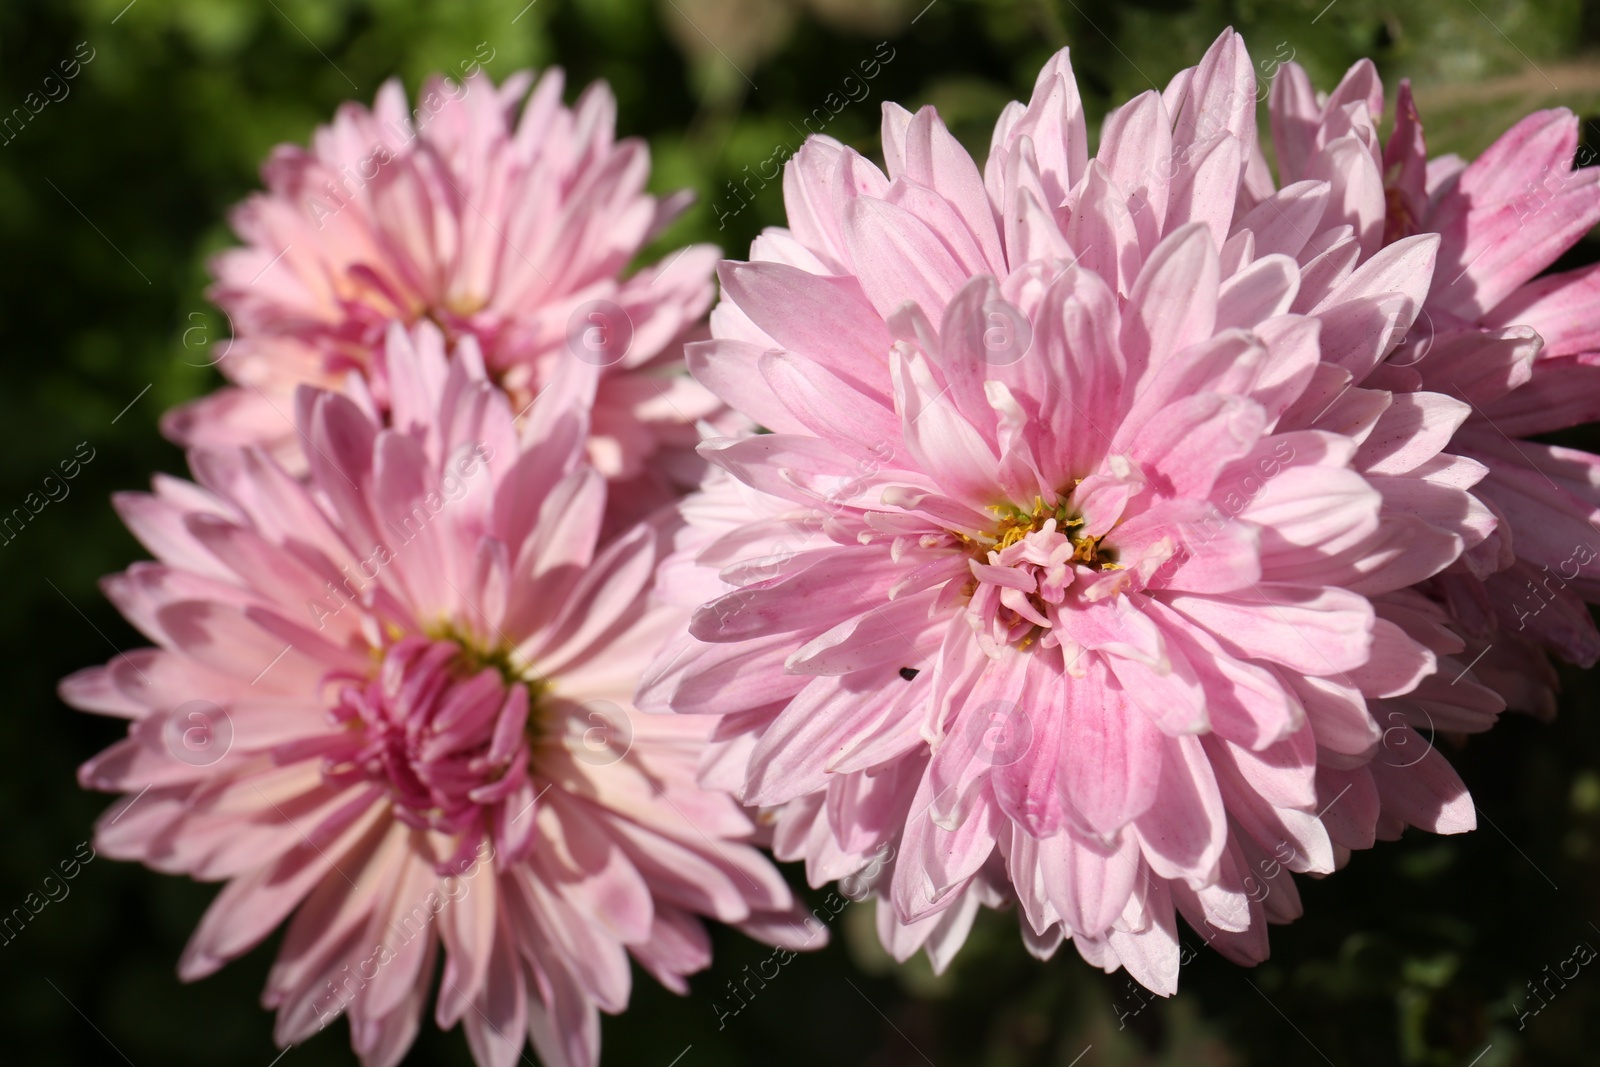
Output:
(1016, 523)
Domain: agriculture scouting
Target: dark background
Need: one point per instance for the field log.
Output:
(1418, 953)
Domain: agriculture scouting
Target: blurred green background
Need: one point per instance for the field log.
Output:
(110, 199)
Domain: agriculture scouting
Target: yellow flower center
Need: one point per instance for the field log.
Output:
(474, 657)
(1016, 523)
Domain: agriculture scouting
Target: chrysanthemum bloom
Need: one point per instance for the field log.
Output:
(1523, 351)
(1066, 570)
(514, 231)
(391, 704)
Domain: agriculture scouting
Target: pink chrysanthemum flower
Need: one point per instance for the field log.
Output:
(1522, 350)
(514, 231)
(392, 705)
(1074, 569)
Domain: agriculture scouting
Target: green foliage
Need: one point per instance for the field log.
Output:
(1421, 952)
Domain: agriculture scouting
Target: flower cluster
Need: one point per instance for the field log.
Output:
(1094, 535)
(400, 614)
(1195, 524)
